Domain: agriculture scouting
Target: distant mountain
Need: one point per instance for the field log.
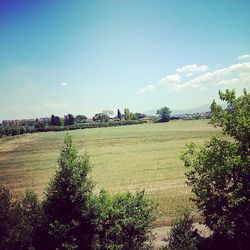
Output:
(203, 108)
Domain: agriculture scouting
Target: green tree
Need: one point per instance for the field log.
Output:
(69, 119)
(55, 120)
(127, 114)
(100, 117)
(119, 115)
(164, 113)
(67, 201)
(182, 234)
(80, 119)
(219, 172)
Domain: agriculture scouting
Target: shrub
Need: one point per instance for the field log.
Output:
(18, 220)
(182, 234)
(123, 221)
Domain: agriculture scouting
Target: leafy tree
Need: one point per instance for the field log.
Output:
(80, 119)
(67, 200)
(55, 120)
(119, 115)
(164, 113)
(100, 117)
(219, 173)
(127, 114)
(69, 119)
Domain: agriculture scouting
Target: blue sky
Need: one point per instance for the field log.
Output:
(82, 57)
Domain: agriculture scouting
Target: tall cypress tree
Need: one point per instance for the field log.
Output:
(119, 115)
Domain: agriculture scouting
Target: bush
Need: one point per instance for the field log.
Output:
(123, 221)
(19, 220)
(182, 235)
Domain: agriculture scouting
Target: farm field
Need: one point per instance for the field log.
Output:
(123, 159)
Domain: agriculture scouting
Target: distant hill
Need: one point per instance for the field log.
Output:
(203, 108)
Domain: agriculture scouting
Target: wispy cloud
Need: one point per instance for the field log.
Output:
(191, 68)
(64, 84)
(171, 79)
(233, 74)
(147, 88)
(245, 56)
(55, 105)
(31, 107)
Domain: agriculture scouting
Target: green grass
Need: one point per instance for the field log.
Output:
(123, 159)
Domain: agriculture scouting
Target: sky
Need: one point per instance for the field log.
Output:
(83, 57)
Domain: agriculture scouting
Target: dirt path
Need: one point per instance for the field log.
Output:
(162, 233)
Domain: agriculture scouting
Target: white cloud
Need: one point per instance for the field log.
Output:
(147, 88)
(190, 68)
(228, 82)
(64, 84)
(246, 56)
(170, 79)
(233, 74)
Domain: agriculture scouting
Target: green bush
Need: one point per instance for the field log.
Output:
(182, 234)
(19, 220)
(123, 221)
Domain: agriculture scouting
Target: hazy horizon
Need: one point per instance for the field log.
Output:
(83, 57)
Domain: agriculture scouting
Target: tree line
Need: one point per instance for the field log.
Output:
(70, 122)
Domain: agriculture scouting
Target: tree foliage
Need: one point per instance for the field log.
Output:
(164, 113)
(67, 198)
(80, 119)
(123, 221)
(119, 115)
(127, 114)
(19, 220)
(69, 119)
(219, 173)
(235, 119)
(55, 120)
(182, 234)
(100, 117)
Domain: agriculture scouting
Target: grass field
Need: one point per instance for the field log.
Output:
(123, 158)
